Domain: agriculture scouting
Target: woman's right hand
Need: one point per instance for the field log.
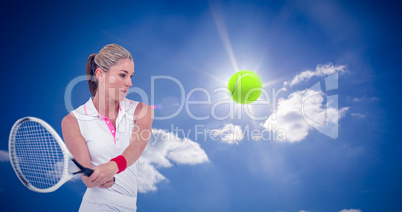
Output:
(88, 182)
(103, 175)
(91, 184)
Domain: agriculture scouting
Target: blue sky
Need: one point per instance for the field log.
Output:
(351, 163)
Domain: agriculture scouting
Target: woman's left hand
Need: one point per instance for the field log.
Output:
(108, 184)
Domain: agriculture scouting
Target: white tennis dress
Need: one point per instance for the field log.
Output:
(104, 143)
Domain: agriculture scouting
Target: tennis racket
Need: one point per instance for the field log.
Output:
(39, 156)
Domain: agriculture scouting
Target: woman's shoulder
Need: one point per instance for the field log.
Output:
(138, 108)
(132, 104)
(68, 121)
(73, 117)
(144, 110)
(143, 105)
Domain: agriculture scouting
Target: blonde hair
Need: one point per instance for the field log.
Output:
(107, 57)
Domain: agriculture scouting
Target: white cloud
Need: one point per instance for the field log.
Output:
(4, 156)
(350, 210)
(148, 176)
(366, 99)
(320, 70)
(303, 111)
(358, 115)
(230, 133)
(164, 148)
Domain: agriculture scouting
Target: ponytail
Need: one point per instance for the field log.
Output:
(91, 75)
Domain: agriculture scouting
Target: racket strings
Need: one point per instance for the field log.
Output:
(40, 157)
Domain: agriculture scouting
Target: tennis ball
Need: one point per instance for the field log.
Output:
(245, 87)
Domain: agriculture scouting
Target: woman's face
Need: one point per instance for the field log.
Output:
(118, 79)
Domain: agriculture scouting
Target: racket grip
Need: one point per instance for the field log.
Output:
(87, 172)
(83, 170)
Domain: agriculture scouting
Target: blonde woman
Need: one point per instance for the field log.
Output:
(109, 132)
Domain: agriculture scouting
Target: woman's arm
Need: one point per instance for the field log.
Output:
(142, 132)
(79, 149)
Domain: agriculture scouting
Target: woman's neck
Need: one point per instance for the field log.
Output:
(105, 106)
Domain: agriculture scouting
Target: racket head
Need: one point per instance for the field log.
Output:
(38, 155)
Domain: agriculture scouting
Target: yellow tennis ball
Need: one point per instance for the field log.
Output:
(245, 87)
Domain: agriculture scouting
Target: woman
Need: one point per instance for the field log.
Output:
(109, 132)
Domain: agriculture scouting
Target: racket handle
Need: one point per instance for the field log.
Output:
(87, 172)
(83, 170)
